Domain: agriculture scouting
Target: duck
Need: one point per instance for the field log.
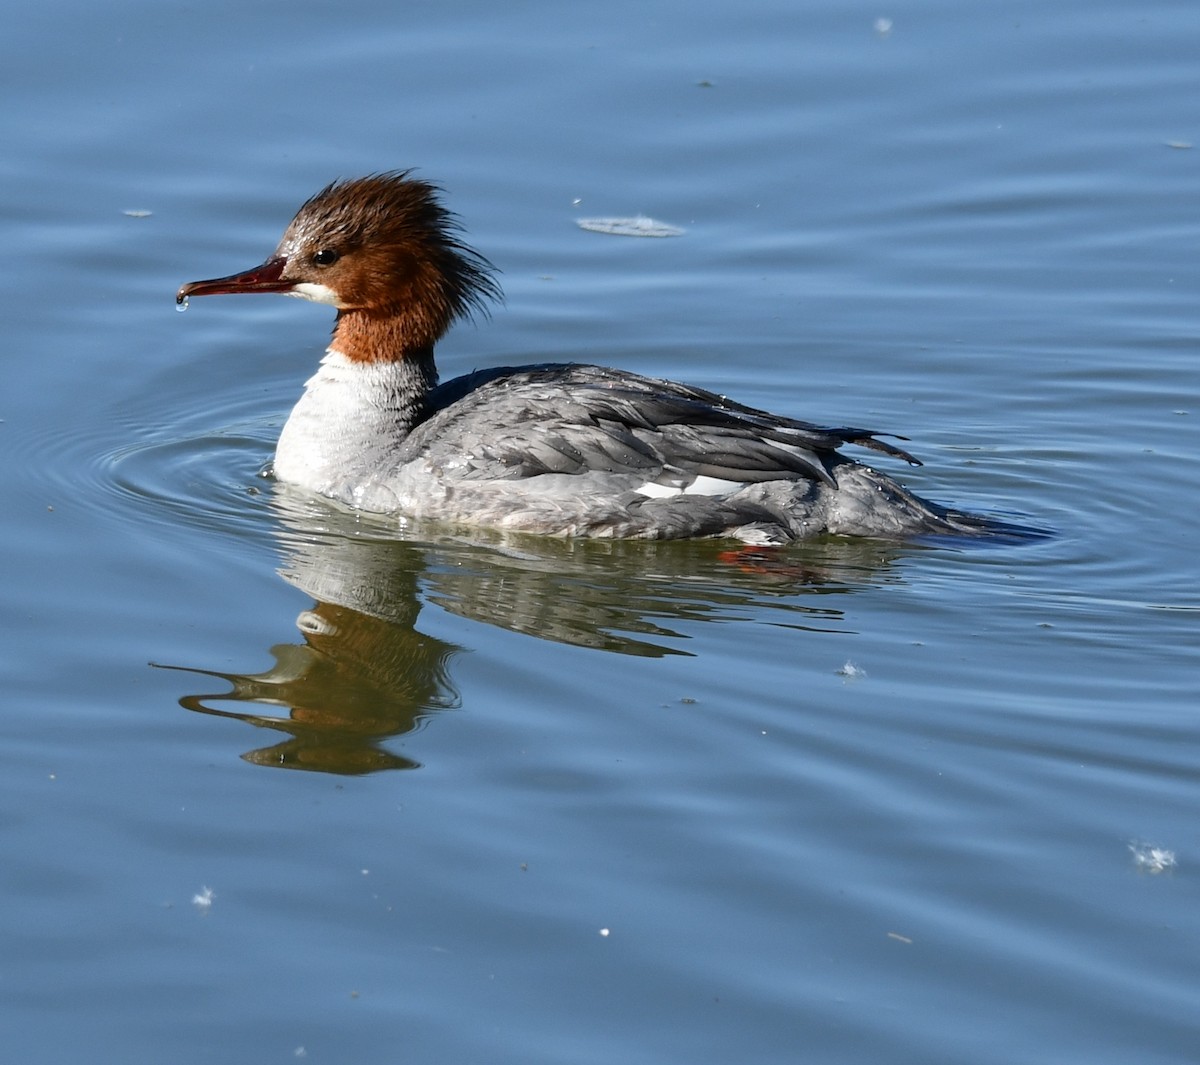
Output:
(563, 449)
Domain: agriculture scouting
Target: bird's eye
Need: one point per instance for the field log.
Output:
(325, 257)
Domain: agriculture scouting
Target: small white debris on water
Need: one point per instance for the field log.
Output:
(851, 670)
(203, 899)
(639, 226)
(604, 931)
(1151, 859)
(883, 26)
(137, 214)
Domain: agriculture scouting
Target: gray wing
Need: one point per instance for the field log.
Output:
(567, 419)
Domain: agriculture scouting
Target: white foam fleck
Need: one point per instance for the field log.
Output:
(638, 226)
(1152, 859)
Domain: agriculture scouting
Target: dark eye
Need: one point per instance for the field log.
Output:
(325, 257)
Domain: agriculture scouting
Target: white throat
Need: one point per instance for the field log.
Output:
(345, 433)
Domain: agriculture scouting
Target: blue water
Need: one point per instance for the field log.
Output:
(276, 784)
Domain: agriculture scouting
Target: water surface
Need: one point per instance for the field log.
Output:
(281, 784)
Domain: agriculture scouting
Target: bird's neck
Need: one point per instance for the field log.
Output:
(356, 411)
(405, 334)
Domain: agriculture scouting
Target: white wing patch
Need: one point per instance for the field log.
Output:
(701, 486)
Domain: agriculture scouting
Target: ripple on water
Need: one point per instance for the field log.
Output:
(201, 467)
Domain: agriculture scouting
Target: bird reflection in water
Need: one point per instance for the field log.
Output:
(365, 675)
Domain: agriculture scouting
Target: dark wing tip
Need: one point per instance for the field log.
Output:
(866, 438)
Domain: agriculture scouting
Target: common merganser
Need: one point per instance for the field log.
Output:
(559, 448)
